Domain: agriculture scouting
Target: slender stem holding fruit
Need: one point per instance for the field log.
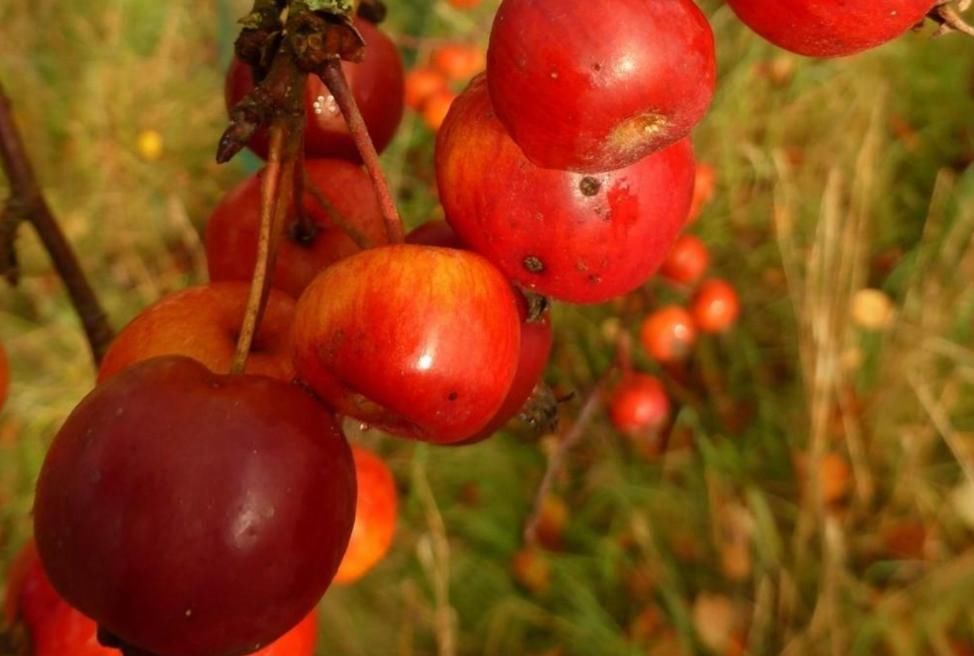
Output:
(361, 239)
(304, 227)
(27, 203)
(334, 78)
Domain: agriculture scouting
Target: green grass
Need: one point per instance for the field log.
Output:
(832, 176)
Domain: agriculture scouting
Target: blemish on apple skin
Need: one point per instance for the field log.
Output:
(453, 396)
(589, 186)
(534, 264)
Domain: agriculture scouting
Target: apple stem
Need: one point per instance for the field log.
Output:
(27, 204)
(334, 78)
(304, 227)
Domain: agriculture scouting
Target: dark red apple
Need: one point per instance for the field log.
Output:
(416, 340)
(596, 86)
(375, 516)
(203, 323)
(378, 87)
(825, 28)
(574, 237)
(233, 229)
(194, 514)
(57, 629)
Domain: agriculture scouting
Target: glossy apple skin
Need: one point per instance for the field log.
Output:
(375, 516)
(565, 235)
(687, 261)
(203, 323)
(593, 86)
(536, 337)
(668, 334)
(377, 84)
(639, 403)
(416, 340)
(4, 376)
(233, 229)
(192, 514)
(822, 28)
(57, 629)
(715, 306)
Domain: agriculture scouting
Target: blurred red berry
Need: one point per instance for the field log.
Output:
(458, 62)
(715, 307)
(421, 84)
(703, 190)
(668, 334)
(687, 262)
(639, 403)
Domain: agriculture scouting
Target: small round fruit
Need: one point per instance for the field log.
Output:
(29, 596)
(421, 84)
(536, 338)
(687, 261)
(639, 404)
(715, 307)
(4, 376)
(216, 507)
(203, 323)
(346, 196)
(376, 84)
(458, 62)
(824, 28)
(574, 237)
(589, 86)
(437, 107)
(416, 340)
(375, 516)
(464, 4)
(668, 334)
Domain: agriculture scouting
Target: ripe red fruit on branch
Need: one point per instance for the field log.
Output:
(595, 86)
(348, 196)
(639, 404)
(203, 323)
(824, 28)
(715, 306)
(536, 337)
(574, 237)
(416, 340)
(216, 507)
(668, 334)
(376, 84)
(687, 261)
(375, 516)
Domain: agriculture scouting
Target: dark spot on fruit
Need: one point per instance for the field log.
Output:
(453, 396)
(596, 67)
(533, 264)
(589, 186)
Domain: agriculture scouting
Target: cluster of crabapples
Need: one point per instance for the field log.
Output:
(185, 511)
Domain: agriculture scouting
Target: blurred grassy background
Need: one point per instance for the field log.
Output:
(832, 177)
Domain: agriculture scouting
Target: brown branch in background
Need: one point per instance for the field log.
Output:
(27, 203)
(556, 463)
(946, 15)
(334, 78)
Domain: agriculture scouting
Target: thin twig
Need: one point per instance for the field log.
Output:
(28, 204)
(334, 78)
(947, 16)
(556, 463)
(341, 222)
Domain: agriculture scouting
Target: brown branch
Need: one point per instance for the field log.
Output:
(27, 203)
(946, 15)
(334, 78)
(556, 463)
